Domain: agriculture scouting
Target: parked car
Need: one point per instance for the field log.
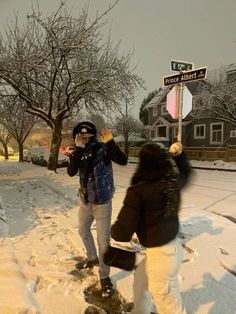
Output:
(40, 156)
(26, 155)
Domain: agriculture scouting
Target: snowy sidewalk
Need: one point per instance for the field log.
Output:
(12, 282)
(38, 265)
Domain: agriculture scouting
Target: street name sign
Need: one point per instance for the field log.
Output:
(193, 75)
(181, 65)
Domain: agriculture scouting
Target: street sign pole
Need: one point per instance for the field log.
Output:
(181, 94)
(180, 108)
(180, 66)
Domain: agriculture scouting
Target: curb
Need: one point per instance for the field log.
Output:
(210, 168)
(196, 167)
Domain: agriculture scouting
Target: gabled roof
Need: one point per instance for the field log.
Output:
(166, 122)
(162, 120)
(162, 93)
(231, 68)
(158, 98)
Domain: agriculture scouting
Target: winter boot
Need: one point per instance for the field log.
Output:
(86, 264)
(107, 287)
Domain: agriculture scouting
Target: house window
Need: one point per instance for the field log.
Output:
(233, 133)
(216, 136)
(162, 131)
(163, 110)
(175, 132)
(154, 111)
(152, 133)
(199, 131)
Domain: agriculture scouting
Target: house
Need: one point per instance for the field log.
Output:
(161, 126)
(231, 73)
(209, 132)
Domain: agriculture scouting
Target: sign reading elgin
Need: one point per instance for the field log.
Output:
(196, 74)
(181, 66)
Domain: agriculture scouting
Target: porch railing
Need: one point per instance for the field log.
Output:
(227, 153)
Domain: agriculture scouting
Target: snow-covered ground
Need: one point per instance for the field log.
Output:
(39, 243)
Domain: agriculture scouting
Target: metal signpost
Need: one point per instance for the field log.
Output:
(178, 80)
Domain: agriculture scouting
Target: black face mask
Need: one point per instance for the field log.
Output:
(89, 154)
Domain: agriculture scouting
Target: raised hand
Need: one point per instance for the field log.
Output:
(176, 149)
(106, 135)
(79, 141)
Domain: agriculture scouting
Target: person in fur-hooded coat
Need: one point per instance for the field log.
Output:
(150, 209)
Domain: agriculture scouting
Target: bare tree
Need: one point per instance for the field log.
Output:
(97, 120)
(4, 140)
(217, 99)
(126, 125)
(16, 120)
(60, 65)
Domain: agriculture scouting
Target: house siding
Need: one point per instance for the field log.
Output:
(193, 142)
(229, 140)
(188, 138)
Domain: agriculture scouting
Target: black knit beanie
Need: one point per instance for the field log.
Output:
(85, 127)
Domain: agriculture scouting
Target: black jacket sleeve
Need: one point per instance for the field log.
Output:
(185, 170)
(74, 163)
(128, 218)
(115, 154)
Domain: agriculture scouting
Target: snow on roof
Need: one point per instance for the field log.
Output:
(156, 99)
(231, 68)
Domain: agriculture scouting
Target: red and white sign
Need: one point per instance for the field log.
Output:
(172, 102)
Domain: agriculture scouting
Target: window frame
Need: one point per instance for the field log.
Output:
(152, 132)
(199, 137)
(211, 133)
(163, 110)
(154, 111)
(162, 126)
(231, 133)
(175, 131)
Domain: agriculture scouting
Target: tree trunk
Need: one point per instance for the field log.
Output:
(55, 144)
(5, 151)
(126, 147)
(20, 147)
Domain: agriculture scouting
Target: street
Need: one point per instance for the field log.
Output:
(210, 190)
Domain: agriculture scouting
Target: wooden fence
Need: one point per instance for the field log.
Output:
(227, 153)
